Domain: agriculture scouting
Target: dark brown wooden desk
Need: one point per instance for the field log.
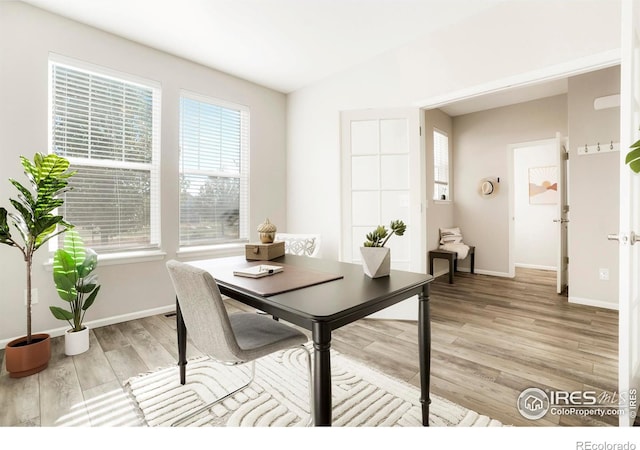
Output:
(325, 307)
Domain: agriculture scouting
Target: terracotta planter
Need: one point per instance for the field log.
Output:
(76, 342)
(24, 360)
(376, 261)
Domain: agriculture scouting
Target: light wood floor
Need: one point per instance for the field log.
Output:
(491, 338)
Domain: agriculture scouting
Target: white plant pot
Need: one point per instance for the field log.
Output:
(76, 342)
(376, 261)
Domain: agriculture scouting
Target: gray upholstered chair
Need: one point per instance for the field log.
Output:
(228, 338)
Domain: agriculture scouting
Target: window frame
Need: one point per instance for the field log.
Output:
(436, 183)
(137, 253)
(220, 247)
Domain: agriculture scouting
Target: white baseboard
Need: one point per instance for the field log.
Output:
(478, 271)
(535, 266)
(103, 322)
(593, 302)
(485, 272)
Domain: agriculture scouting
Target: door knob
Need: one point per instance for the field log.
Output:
(633, 238)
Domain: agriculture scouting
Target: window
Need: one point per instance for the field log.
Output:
(107, 126)
(440, 165)
(214, 171)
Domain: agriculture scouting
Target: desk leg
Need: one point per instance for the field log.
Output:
(424, 347)
(322, 374)
(182, 344)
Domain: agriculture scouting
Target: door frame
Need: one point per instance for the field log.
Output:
(414, 116)
(571, 68)
(511, 148)
(629, 284)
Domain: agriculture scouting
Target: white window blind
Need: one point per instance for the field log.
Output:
(108, 128)
(214, 171)
(440, 165)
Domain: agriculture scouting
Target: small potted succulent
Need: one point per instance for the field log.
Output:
(77, 284)
(376, 258)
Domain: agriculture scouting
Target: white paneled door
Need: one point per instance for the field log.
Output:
(629, 308)
(382, 181)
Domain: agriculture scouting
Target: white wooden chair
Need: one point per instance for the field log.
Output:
(300, 244)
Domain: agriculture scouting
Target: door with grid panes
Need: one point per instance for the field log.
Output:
(628, 235)
(382, 181)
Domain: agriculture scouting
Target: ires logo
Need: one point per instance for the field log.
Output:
(575, 398)
(535, 403)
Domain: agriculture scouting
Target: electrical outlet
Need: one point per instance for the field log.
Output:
(34, 297)
(604, 274)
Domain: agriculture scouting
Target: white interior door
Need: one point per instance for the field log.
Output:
(562, 218)
(381, 182)
(629, 308)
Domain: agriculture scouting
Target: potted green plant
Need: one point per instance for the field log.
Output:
(633, 157)
(376, 258)
(77, 284)
(36, 224)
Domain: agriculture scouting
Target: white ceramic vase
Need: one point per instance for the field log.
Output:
(376, 261)
(76, 342)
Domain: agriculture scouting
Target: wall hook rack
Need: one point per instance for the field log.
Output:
(598, 147)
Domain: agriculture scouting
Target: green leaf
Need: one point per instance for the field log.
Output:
(5, 231)
(85, 288)
(65, 276)
(24, 212)
(89, 301)
(74, 245)
(60, 313)
(635, 165)
(28, 197)
(632, 155)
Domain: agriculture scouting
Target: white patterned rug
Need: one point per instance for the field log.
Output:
(279, 396)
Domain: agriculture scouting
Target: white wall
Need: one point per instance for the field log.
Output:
(27, 35)
(536, 237)
(511, 39)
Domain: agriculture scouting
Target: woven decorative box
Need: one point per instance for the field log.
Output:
(264, 252)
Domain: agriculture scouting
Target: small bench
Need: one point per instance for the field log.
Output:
(452, 258)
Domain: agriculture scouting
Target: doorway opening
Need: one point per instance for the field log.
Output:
(539, 208)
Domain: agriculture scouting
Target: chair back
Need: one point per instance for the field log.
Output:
(204, 312)
(300, 244)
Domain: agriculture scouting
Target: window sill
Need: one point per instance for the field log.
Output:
(214, 251)
(112, 259)
(442, 202)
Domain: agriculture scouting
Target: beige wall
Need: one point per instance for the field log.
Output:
(27, 35)
(593, 190)
(439, 213)
(481, 142)
(481, 149)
